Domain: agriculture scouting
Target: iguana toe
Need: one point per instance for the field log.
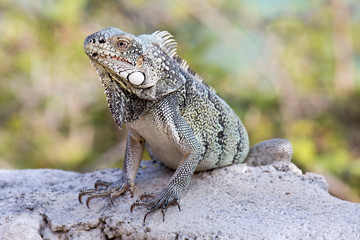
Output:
(154, 202)
(108, 189)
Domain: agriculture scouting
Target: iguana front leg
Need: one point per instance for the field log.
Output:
(184, 138)
(134, 150)
(172, 192)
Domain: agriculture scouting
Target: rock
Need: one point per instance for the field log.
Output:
(235, 202)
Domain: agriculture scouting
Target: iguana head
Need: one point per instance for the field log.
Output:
(144, 65)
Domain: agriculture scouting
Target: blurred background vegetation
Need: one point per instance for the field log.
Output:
(288, 68)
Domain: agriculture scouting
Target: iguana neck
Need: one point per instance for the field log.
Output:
(125, 106)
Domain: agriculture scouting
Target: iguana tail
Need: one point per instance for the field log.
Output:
(270, 151)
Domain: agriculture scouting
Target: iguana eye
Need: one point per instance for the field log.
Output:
(122, 44)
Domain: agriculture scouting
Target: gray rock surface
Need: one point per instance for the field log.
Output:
(235, 202)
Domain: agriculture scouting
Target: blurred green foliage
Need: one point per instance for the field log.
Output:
(288, 68)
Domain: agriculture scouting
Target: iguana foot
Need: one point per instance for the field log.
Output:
(162, 200)
(111, 189)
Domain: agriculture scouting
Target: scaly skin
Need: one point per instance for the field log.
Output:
(165, 104)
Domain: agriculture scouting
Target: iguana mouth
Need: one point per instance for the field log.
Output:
(101, 69)
(96, 56)
(123, 76)
(104, 56)
(121, 59)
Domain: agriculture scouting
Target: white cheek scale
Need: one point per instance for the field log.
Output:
(135, 78)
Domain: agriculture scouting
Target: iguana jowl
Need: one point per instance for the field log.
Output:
(164, 104)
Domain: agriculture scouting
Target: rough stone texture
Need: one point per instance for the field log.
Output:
(235, 202)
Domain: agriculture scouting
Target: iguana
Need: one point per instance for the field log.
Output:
(168, 109)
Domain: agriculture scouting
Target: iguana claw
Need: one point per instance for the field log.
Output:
(163, 200)
(110, 189)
